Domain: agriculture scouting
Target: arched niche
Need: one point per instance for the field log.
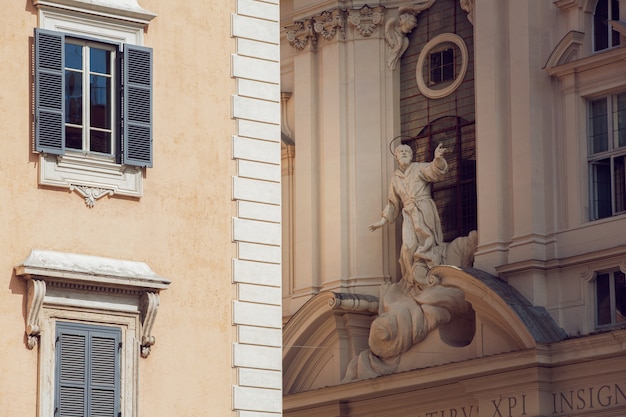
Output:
(332, 328)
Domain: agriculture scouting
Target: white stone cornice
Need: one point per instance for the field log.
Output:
(74, 280)
(124, 10)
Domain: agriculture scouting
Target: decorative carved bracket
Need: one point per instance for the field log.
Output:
(35, 294)
(366, 20)
(91, 194)
(149, 306)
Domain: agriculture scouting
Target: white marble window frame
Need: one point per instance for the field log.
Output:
(91, 176)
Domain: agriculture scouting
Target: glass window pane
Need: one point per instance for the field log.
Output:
(73, 137)
(598, 125)
(601, 182)
(100, 141)
(620, 297)
(435, 67)
(619, 119)
(73, 56)
(618, 182)
(603, 299)
(73, 97)
(601, 26)
(100, 101)
(615, 16)
(99, 61)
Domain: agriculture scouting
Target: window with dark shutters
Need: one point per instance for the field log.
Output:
(87, 378)
(135, 117)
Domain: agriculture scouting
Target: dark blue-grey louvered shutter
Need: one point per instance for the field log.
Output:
(137, 106)
(49, 92)
(88, 371)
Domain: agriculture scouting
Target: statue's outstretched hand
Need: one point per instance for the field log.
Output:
(378, 224)
(440, 150)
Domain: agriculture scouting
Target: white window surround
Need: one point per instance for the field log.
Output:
(93, 290)
(431, 46)
(116, 21)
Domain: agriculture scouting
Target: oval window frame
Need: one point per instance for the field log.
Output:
(430, 45)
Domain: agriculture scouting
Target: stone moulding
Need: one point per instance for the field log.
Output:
(332, 23)
(73, 275)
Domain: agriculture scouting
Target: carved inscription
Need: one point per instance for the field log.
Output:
(589, 398)
(564, 403)
(509, 406)
(471, 411)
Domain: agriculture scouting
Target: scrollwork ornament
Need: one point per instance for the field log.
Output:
(149, 306)
(36, 292)
(91, 194)
(366, 20)
(329, 23)
(302, 34)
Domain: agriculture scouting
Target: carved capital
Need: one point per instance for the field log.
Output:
(91, 194)
(329, 23)
(36, 291)
(366, 19)
(149, 306)
(301, 34)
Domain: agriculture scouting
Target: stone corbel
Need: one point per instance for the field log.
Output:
(91, 194)
(301, 34)
(366, 19)
(149, 306)
(329, 23)
(36, 292)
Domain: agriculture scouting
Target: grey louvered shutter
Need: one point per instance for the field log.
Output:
(88, 371)
(49, 91)
(137, 106)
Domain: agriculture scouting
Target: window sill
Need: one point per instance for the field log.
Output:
(91, 177)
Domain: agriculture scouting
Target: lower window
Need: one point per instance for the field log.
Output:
(607, 156)
(610, 299)
(87, 375)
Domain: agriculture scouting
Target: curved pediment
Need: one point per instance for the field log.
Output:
(332, 329)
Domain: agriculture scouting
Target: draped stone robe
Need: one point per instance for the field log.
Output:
(410, 192)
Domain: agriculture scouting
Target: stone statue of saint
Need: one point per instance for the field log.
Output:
(410, 194)
(409, 310)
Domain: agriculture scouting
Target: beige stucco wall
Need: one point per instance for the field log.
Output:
(181, 227)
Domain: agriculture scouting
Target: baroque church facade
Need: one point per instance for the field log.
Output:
(528, 98)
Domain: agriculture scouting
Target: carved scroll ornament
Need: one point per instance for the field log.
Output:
(366, 20)
(36, 291)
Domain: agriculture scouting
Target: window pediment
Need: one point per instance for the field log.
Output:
(83, 281)
(125, 10)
